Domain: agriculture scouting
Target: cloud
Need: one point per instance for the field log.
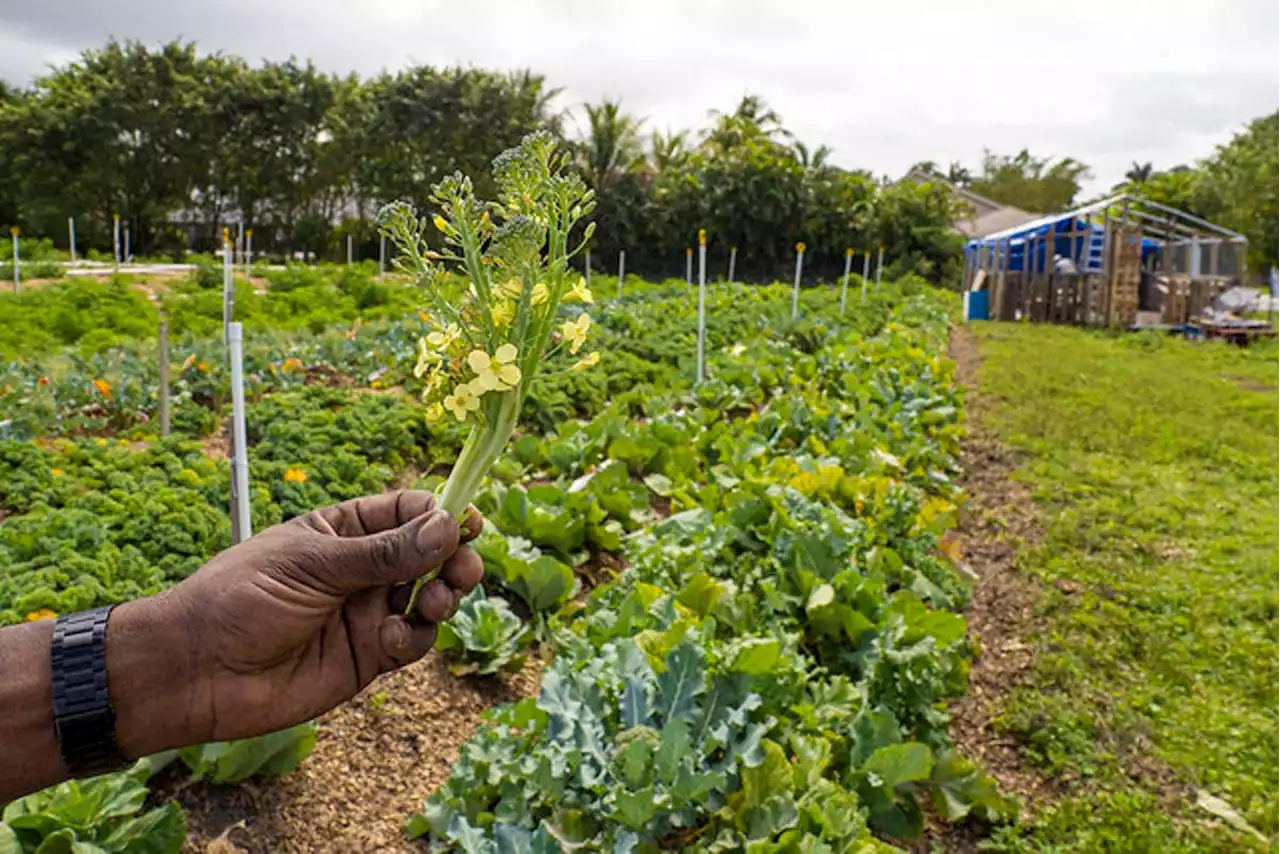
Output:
(883, 84)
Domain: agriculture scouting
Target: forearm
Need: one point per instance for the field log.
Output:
(29, 757)
(148, 675)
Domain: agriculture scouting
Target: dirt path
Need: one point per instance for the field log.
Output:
(374, 764)
(1000, 514)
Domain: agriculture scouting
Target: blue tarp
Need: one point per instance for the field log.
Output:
(1084, 250)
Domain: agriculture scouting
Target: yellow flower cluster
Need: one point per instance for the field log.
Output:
(575, 332)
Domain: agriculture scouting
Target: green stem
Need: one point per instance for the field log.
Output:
(483, 445)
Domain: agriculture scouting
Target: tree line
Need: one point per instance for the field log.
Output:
(178, 142)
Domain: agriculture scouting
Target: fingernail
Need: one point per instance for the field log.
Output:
(395, 636)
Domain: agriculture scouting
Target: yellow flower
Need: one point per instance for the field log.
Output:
(190, 360)
(203, 367)
(423, 316)
(442, 225)
(435, 381)
(289, 365)
(503, 312)
(575, 332)
(496, 373)
(511, 289)
(586, 361)
(103, 387)
(293, 474)
(465, 399)
(42, 614)
(427, 359)
(56, 472)
(579, 292)
(435, 412)
(445, 338)
(539, 295)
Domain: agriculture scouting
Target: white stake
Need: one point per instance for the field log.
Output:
(586, 265)
(115, 238)
(164, 378)
(733, 258)
(688, 266)
(702, 303)
(228, 287)
(844, 288)
(866, 271)
(126, 244)
(795, 290)
(17, 262)
(239, 256)
(242, 526)
(349, 251)
(622, 270)
(879, 268)
(248, 251)
(71, 229)
(382, 256)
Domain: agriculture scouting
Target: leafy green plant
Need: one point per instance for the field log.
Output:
(100, 814)
(484, 637)
(265, 756)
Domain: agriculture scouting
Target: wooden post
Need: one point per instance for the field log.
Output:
(688, 265)
(795, 290)
(733, 258)
(1104, 287)
(622, 270)
(586, 266)
(164, 378)
(17, 262)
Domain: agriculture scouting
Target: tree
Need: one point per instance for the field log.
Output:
(957, 174)
(1241, 187)
(1139, 172)
(1030, 183)
(611, 147)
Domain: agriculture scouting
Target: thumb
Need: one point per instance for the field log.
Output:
(397, 556)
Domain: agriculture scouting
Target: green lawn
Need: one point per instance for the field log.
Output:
(1154, 462)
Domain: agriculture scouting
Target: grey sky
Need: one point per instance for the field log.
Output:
(884, 84)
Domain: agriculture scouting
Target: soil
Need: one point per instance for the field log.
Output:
(376, 760)
(998, 517)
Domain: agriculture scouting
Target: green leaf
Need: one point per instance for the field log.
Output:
(900, 763)
(822, 595)
(673, 746)
(635, 809)
(659, 483)
(756, 656)
(160, 831)
(958, 788)
(681, 684)
(693, 787)
(267, 756)
(770, 777)
(9, 843)
(700, 593)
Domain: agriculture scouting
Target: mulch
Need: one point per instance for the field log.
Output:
(374, 764)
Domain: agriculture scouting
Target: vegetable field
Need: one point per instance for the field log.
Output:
(750, 629)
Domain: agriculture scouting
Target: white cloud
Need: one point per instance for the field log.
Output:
(884, 84)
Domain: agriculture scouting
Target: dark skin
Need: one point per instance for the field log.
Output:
(272, 632)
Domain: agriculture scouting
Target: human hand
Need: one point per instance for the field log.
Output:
(287, 624)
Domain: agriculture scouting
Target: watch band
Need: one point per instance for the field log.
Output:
(83, 717)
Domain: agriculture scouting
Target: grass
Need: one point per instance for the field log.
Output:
(1154, 462)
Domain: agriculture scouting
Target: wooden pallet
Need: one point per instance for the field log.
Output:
(1126, 276)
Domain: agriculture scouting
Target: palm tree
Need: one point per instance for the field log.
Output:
(1140, 172)
(668, 150)
(612, 145)
(815, 160)
(751, 118)
(535, 86)
(959, 175)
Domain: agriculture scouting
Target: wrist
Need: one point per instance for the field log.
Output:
(153, 677)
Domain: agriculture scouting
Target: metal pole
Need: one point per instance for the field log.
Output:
(586, 266)
(382, 256)
(228, 288)
(879, 267)
(240, 239)
(242, 527)
(126, 244)
(688, 266)
(115, 238)
(17, 262)
(733, 258)
(71, 229)
(702, 303)
(866, 272)
(349, 250)
(795, 286)
(844, 288)
(248, 251)
(622, 270)
(164, 378)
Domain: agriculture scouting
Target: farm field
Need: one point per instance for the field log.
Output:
(1144, 532)
(748, 627)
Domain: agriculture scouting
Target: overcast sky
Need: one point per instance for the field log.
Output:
(885, 84)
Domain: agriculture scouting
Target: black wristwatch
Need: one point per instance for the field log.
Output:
(82, 713)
